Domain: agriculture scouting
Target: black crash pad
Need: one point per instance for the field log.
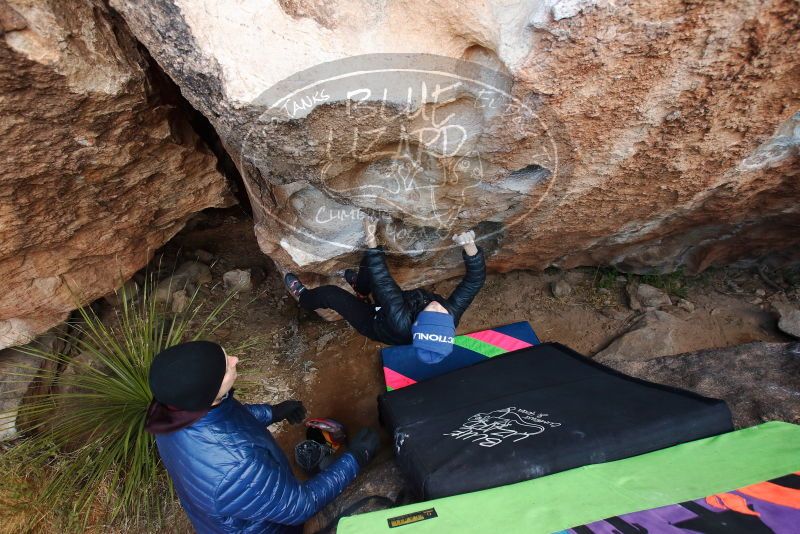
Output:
(534, 412)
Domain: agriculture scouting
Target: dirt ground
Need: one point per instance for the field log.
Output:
(294, 354)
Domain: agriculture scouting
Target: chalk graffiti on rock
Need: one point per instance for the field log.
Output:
(293, 107)
(507, 424)
(401, 136)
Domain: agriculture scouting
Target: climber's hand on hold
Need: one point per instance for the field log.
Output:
(370, 229)
(467, 240)
(464, 238)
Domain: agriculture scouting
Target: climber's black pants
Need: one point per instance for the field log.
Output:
(363, 280)
(360, 314)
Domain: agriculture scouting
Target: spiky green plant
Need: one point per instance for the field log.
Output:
(83, 437)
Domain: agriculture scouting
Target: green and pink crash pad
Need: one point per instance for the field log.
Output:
(723, 474)
(401, 367)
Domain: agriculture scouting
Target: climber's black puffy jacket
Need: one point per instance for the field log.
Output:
(399, 309)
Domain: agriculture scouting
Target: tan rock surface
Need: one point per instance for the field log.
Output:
(662, 134)
(96, 171)
(19, 370)
(759, 381)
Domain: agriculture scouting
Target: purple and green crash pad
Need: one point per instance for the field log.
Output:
(401, 367)
(770, 507)
(743, 481)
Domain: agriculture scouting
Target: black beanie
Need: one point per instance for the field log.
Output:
(188, 376)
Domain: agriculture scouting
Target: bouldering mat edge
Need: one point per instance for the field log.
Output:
(579, 496)
(401, 367)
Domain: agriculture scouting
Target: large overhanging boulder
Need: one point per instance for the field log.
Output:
(96, 173)
(643, 135)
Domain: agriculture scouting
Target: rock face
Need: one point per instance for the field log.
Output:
(561, 289)
(656, 333)
(97, 171)
(789, 321)
(382, 480)
(238, 280)
(759, 381)
(644, 296)
(18, 370)
(641, 135)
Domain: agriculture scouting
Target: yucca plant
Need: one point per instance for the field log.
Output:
(83, 440)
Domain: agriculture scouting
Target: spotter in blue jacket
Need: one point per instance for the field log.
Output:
(231, 476)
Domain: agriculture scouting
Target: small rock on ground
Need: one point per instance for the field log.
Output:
(686, 305)
(789, 321)
(187, 276)
(180, 301)
(650, 337)
(195, 271)
(561, 289)
(238, 280)
(644, 296)
(22, 367)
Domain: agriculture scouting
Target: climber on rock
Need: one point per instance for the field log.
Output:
(396, 317)
(225, 466)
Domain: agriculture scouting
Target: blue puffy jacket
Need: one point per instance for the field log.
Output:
(231, 476)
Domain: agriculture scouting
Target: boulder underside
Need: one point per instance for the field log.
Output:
(99, 170)
(645, 136)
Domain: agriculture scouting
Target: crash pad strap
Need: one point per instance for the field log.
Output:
(591, 493)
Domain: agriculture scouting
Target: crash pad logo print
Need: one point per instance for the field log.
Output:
(510, 424)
